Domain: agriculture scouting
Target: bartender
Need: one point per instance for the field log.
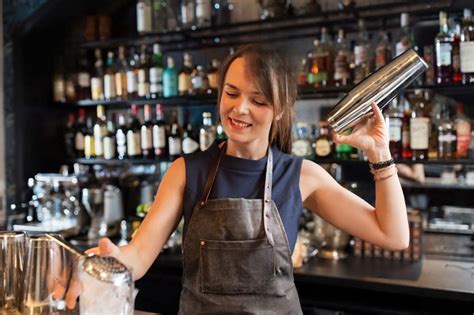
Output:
(241, 199)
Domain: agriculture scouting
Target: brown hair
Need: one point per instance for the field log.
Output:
(275, 80)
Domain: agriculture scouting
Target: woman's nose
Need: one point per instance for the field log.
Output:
(243, 107)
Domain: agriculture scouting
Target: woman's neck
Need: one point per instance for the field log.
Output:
(251, 151)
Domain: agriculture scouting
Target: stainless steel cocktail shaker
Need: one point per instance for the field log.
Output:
(380, 87)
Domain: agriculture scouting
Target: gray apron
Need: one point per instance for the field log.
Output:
(236, 257)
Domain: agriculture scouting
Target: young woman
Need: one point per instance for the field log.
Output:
(242, 198)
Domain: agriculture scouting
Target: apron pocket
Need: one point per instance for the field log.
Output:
(237, 266)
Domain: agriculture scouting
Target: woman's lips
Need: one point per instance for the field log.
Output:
(238, 124)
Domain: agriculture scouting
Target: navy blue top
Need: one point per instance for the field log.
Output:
(242, 178)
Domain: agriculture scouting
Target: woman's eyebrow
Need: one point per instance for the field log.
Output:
(255, 92)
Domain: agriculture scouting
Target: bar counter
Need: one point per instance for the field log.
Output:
(353, 285)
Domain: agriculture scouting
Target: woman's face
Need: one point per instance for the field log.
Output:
(246, 114)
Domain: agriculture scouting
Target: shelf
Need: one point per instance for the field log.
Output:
(434, 184)
(319, 161)
(117, 162)
(290, 27)
(303, 94)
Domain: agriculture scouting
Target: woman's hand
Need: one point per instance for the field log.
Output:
(370, 135)
(105, 248)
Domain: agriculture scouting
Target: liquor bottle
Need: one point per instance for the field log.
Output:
(80, 132)
(144, 17)
(156, 72)
(121, 74)
(470, 151)
(190, 139)
(467, 48)
(302, 74)
(134, 149)
(174, 138)
(428, 56)
(394, 123)
(463, 131)
(443, 51)
(434, 145)
(109, 77)
(342, 75)
(69, 87)
(406, 149)
(170, 79)
(199, 81)
(159, 132)
(419, 127)
(188, 14)
(324, 146)
(213, 76)
(185, 86)
(447, 140)
(320, 61)
(100, 130)
(59, 87)
(109, 140)
(301, 145)
(383, 53)
(203, 13)
(346, 5)
(83, 77)
(220, 132)
(97, 87)
(207, 132)
(146, 132)
(89, 143)
(343, 152)
(159, 15)
(328, 54)
(406, 40)
(361, 54)
(143, 73)
(69, 134)
(455, 54)
(121, 137)
(221, 11)
(132, 73)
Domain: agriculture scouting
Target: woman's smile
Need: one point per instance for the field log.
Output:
(238, 124)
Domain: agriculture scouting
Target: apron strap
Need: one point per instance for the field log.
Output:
(267, 197)
(212, 176)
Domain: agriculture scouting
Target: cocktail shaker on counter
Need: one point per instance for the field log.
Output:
(380, 87)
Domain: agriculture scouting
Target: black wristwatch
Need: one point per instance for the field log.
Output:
(380, 165)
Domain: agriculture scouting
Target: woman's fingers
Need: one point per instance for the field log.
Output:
(378, 116)
(94, 250)
(107, 248)
(75, 289)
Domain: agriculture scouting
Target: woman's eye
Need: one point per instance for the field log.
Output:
(260, 103)
(230, 94)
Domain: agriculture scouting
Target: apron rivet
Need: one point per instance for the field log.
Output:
(203, 243)
(267, 201)
(267, 215)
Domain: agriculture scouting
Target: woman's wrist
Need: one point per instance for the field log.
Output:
(379, 155)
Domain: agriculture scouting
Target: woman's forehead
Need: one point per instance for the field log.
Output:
(237, 76)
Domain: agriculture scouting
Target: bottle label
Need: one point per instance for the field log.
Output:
(189, 145)
(381, 56)
(360, 52)
(174, 145)
(109, 148)
(447, 137)
(206, 139)
(197, 82)
(443, 54)
(59, 88)
(121, 139)
(84, 79)
(133, 143)
(213, 80)
(395, 129)
(301, 148)
(109, 86)
(402, 46)
(120, 83)
(159, 137)
(203, 10)
(156, 88)
(146, 138)
(143, 89)
(132, 82)
(466, 55)
(419, 133)
(155, 74)
(323, 148)
(184, 83)
(141, 75)
(96, 89)
(89, 146)
(99, 132)
(79, 141)
(143, 17)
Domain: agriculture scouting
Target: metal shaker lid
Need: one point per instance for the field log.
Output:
(107, 269)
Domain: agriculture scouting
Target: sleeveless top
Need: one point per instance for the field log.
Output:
(242, 178)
